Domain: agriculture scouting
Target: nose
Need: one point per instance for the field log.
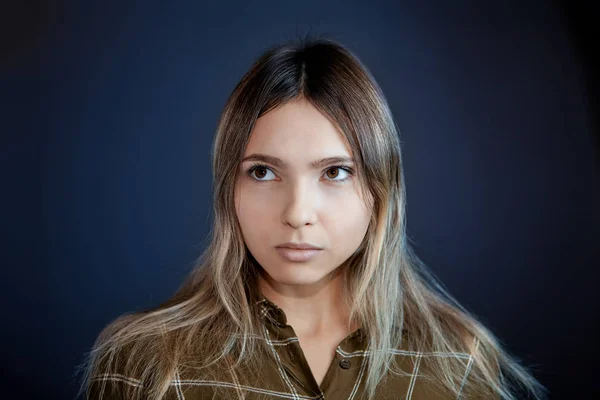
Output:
(300, 207)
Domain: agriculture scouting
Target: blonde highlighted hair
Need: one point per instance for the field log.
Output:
(388, 288)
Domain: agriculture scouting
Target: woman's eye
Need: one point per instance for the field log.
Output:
(336, 174)
(260, 172)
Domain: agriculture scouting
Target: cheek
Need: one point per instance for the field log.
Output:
(251, 207)
(252, 221)
(348, 224)
(252, 216)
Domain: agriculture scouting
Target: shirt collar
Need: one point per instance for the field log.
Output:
(272, 313)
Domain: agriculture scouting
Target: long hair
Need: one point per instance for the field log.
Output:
(388, 288)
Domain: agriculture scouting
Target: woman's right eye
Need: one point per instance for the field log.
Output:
(261, 172)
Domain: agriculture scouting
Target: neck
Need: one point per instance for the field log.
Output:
(312, 310)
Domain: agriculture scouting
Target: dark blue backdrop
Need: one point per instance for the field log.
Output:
(109, 110)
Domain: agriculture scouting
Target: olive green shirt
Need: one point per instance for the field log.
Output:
(291, 377)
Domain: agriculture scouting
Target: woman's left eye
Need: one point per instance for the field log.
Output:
(338, 168)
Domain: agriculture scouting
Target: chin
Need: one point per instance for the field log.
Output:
(297, 275)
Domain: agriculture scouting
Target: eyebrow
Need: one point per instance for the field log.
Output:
(281, 164)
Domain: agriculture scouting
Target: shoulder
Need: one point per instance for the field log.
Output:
(113, 377)
(474, 384)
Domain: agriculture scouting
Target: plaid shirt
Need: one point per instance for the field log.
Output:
(291, 377)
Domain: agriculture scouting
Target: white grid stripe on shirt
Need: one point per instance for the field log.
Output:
(118, 378)
(413, 378)
(468, 369)
(278, 360)
(359, 379)
(177, 384)
(360, 353)
(283, 395)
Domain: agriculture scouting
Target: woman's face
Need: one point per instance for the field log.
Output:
(291, 200)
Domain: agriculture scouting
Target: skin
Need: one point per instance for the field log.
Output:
(302, 203)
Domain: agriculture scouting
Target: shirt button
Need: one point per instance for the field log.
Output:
(345, 363)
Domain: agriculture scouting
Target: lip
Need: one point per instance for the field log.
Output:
(299, 246)
(298, 255)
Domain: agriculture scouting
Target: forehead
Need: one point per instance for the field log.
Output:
(296, 130)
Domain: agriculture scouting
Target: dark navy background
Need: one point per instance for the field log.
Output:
(108, 114)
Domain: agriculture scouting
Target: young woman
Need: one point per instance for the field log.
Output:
(309, 288)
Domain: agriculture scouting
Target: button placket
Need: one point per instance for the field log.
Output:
(298, 380)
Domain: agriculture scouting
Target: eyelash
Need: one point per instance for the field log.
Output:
(349, 170)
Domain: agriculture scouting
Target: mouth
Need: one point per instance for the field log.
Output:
(299, 246)
(298, 255)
